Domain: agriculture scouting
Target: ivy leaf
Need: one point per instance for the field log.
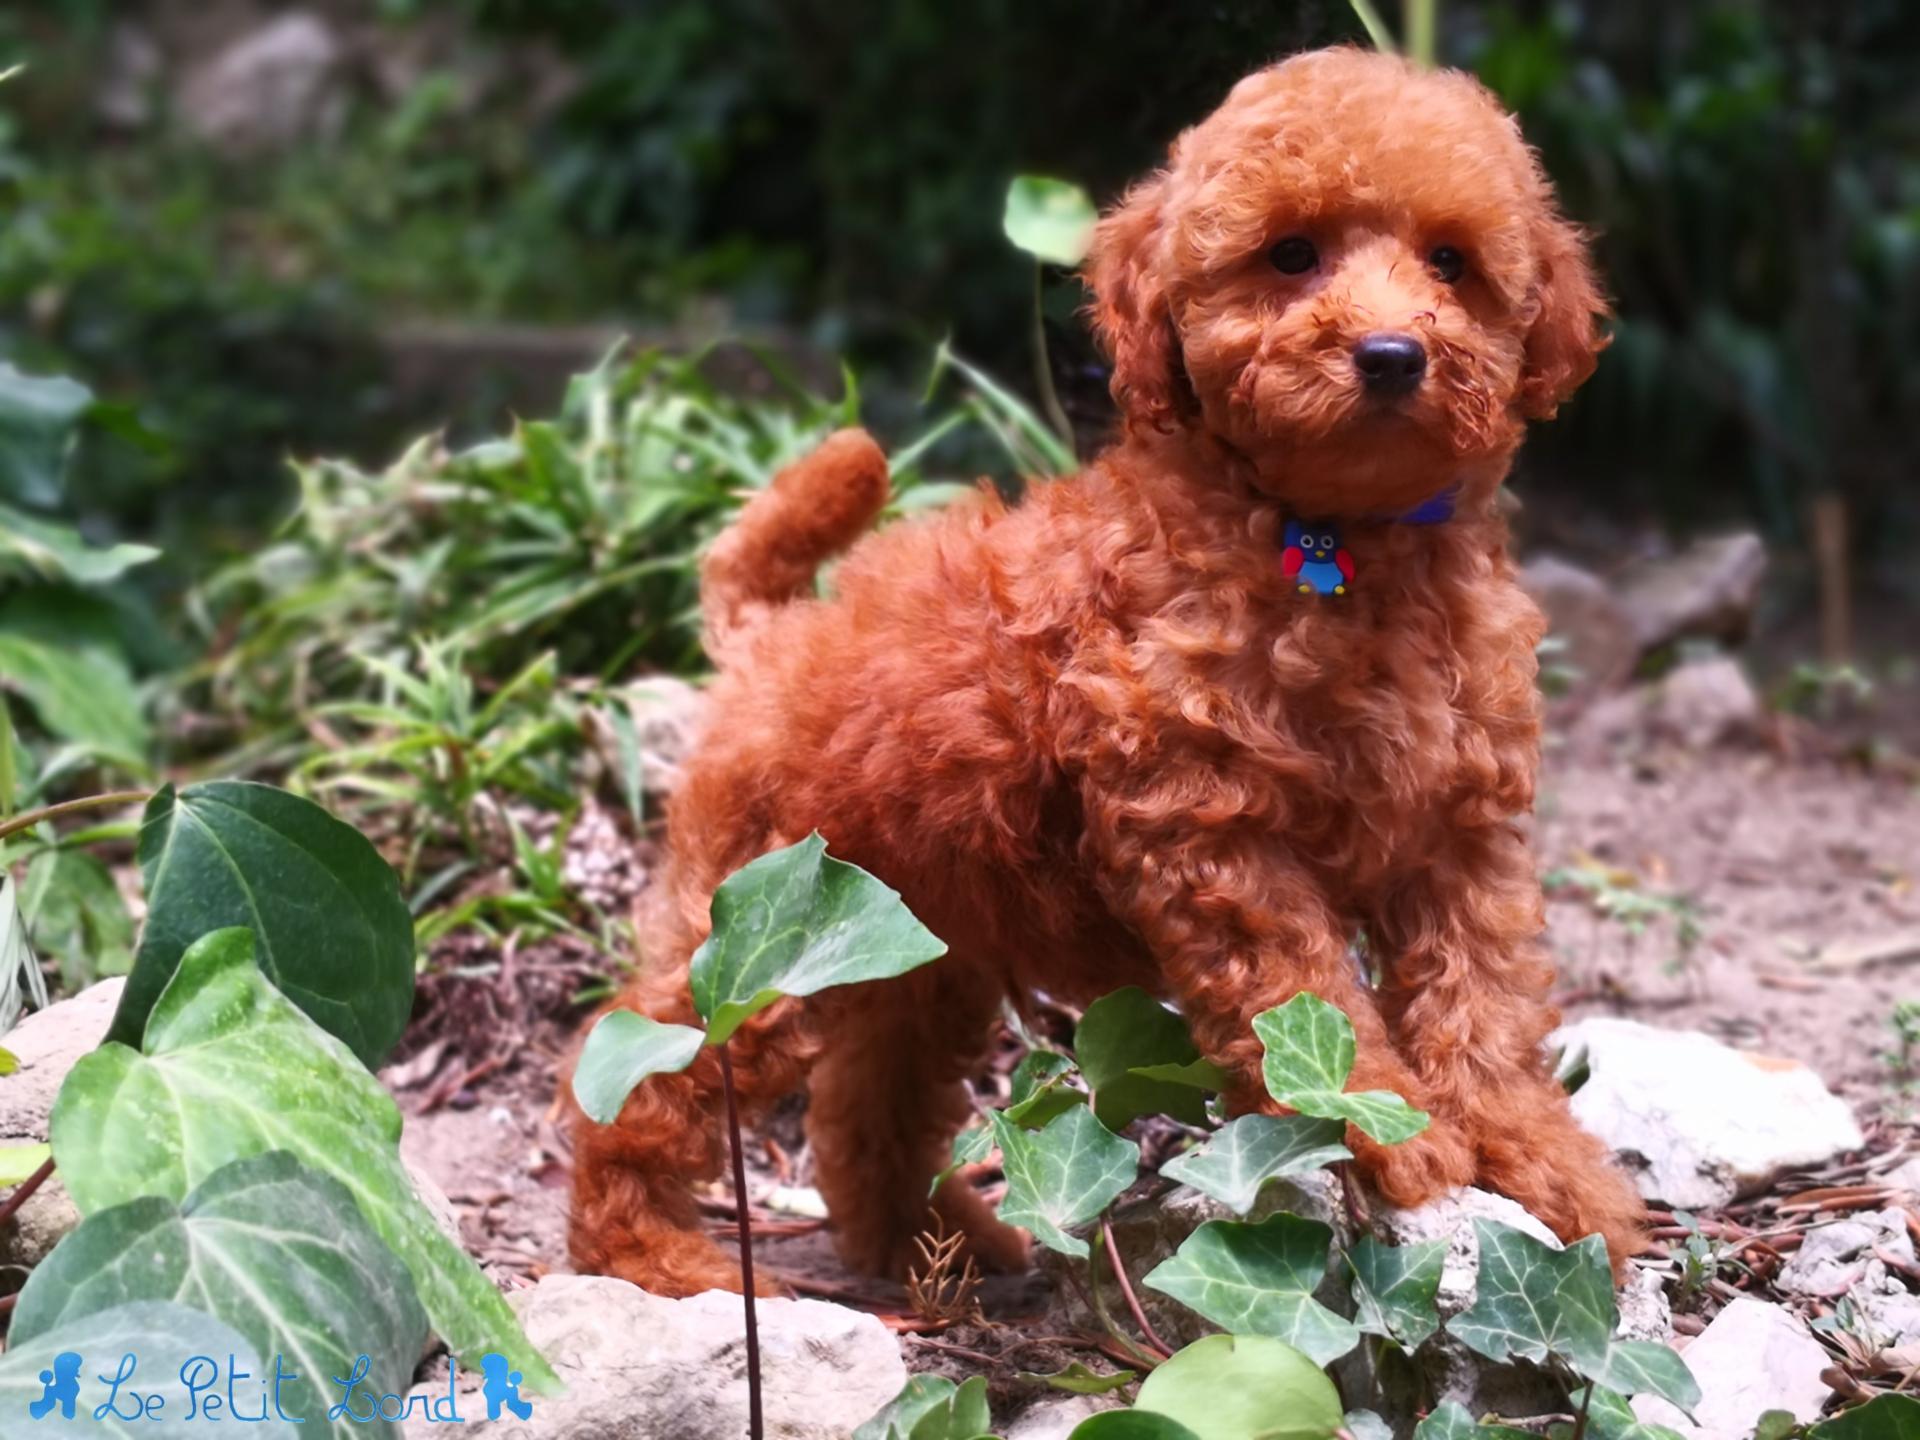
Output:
(81, 692)
(162, 1338)
(1645, 1367)
(60, 552)
(1078, 1379)
(1260, 1279)
(1610, 1417)
(1039, 1089)
(896, 1420)
(1243, 1387)
(1062, 1176)
(622, 1049)
(797, 921)
(1885, 1417)
(1195, 1074)
(277, 1251)
(1235, 1162)
(330, 927)
(961, 1415)
(1125, 1030)
(1130, 1425)
(1052, 220)
(1534, 1300)
(1309, 1055)
(79, 917)
(1396, 1289)
(38, 415)
(1449, 1420)
(232, 1068)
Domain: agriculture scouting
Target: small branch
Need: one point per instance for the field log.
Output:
(1126, 1288)
(1043, 367)
(1118, 1339)
(23, 1192)
(67, 807)
(1580, 1420)
(756, 1424)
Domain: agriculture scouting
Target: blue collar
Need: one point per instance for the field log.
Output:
(1434, 511)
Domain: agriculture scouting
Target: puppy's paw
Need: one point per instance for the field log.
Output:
(1438, 1160)
(677, 1263)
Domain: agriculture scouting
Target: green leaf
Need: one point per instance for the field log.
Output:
(1122, 1031)
(332, 931)
(1449, 1420)
(1243, 1387)
(79, 917)
(59, 552)
(1645, 1367)
(20, 977)
(795, 922)
(1078, 1379)
(162, 1338)
(1063, 1176)
(277, 1251)
(1041, 1088)
(9, 1062)
(19, 1161)
(623, 1049)
(1609, 1417)
(79, 692)
(1309, 1054)
(962, 1415)
(1052, 220)
(1259, 1279)
(1396, 1289)
(1534, 1300)
(1195, 1075)
(233, 1069)
(1779, 1424)
(1885, 1417)
(1130, 1425)
(1244, 1154)
(38, 415)
(895, 1420)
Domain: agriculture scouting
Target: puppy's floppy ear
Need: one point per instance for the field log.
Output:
(1565, 340)
(1129, 309)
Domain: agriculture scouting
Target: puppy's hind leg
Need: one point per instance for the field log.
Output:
(634, 1214)
(887, 1097)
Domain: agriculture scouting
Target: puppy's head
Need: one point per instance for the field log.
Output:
(1354, 272)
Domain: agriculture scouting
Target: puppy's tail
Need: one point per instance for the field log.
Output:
(815, 508)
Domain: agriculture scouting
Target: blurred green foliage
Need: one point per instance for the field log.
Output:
(838, 171)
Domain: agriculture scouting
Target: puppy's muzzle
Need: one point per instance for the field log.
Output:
(1390, 362)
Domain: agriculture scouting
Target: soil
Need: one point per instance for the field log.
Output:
(1768, 899)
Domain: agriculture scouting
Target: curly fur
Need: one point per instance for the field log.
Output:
(1096, 739)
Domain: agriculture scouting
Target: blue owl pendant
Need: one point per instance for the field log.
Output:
(1315, 560)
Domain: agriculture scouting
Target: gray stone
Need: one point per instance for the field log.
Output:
(39, 1225)
(1595, 635)
(1753, 1358)
(1698, 1122)
(1057, 1419)
(1705, 703)
(1833, 1259)
(47, 1043)
(1707, 591)
(638, 1367)
(269, 89)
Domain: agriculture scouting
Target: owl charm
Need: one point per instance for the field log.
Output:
(1314, 560)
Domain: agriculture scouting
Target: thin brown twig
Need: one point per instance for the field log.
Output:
(756, 1424)
(23, 1192)
(68, 807)
(1126, 1289)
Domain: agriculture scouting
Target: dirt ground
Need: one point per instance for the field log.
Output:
(1770, 902)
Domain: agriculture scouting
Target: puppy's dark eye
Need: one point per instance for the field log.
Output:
(1448, 263)
(1294, 255)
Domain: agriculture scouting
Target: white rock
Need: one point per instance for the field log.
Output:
(1701, 1123)
(1709, 590)
(1057, 1419)
(269, 89)
(1451, 1218)
(1834, 1258)
(638, 1367)
(1753, 1358)
(47, 1043)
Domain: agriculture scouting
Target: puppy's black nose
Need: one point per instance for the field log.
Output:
(1390, 362)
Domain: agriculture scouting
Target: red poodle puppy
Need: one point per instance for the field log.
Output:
(1256, 681)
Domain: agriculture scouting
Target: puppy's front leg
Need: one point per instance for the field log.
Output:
(1237, 928)
(1466, 996)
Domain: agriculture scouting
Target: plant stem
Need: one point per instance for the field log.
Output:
(1043, 368)
(1126, 1288)
(23, 1192)
(1580, 1420)
(1376, 28)
(756, 1425)
(32, 818)
(1423, 25)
